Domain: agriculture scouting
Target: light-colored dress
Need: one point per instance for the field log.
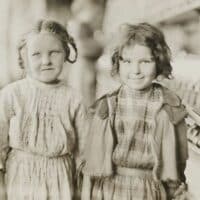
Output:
(42, 127)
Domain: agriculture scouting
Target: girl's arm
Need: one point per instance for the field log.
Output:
(2, 186)
(182, 148)
(86, 188)
(181, 191)
(6, 112)
(81, 127)
(178, 189)
(174, 143)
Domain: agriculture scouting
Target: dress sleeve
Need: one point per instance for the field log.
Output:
(6, 112)
(177, 112)
(81, 128)
(176, 135)
(182, 148)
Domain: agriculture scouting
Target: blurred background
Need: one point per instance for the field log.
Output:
(93, 24)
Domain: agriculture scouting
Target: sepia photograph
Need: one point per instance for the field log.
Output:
(99, 99)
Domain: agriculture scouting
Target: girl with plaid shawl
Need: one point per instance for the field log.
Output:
(137, 145)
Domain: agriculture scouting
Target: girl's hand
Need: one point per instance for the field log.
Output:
(181, 193)
(183, 196)
(181, 189)
(2, 187)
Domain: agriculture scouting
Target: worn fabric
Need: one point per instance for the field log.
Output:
(128, 187)
(135, 124)
(100, 141)
(149, 148)
(43, 126)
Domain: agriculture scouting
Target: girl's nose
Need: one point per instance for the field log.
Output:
(46, 60)
(135, 68)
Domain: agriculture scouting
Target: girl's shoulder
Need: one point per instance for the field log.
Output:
(172, 104)
(105, 104)
(13, 86)
(169, 97)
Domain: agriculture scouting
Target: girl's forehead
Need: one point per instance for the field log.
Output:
(43, 39)
(42, 36)
(137, 50)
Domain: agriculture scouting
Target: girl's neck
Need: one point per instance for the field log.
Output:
(138, 92)
(44, 85)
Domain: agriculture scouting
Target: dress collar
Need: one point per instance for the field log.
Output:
(43, 85)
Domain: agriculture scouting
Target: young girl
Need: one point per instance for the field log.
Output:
(137, 146)
(41, 120)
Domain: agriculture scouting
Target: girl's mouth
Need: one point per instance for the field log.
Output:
(135, 77)
(47, 69)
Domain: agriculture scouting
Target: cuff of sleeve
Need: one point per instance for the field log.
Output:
(175, 188)
(2, 168)
(171, 187)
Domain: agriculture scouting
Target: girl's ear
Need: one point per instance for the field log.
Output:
(115, 63)
(23, 60)
(71, 48)
(160, 78)
(24, 54)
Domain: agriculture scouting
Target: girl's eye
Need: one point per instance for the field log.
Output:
(54, 52)
(36, 54)
(145, 61)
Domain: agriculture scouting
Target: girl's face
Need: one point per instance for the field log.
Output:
(46, 57)
(137, 67)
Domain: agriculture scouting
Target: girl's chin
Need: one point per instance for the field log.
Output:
(138, 86)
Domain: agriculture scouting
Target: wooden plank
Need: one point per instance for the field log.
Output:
(194, 148)
(157, 11)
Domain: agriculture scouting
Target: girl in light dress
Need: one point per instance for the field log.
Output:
(42, 120)
(137, 145)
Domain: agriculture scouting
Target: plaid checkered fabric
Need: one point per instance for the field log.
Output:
(127, 188)
(134, 123)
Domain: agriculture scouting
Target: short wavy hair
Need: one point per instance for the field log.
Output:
(147, 35)
(51, 27)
